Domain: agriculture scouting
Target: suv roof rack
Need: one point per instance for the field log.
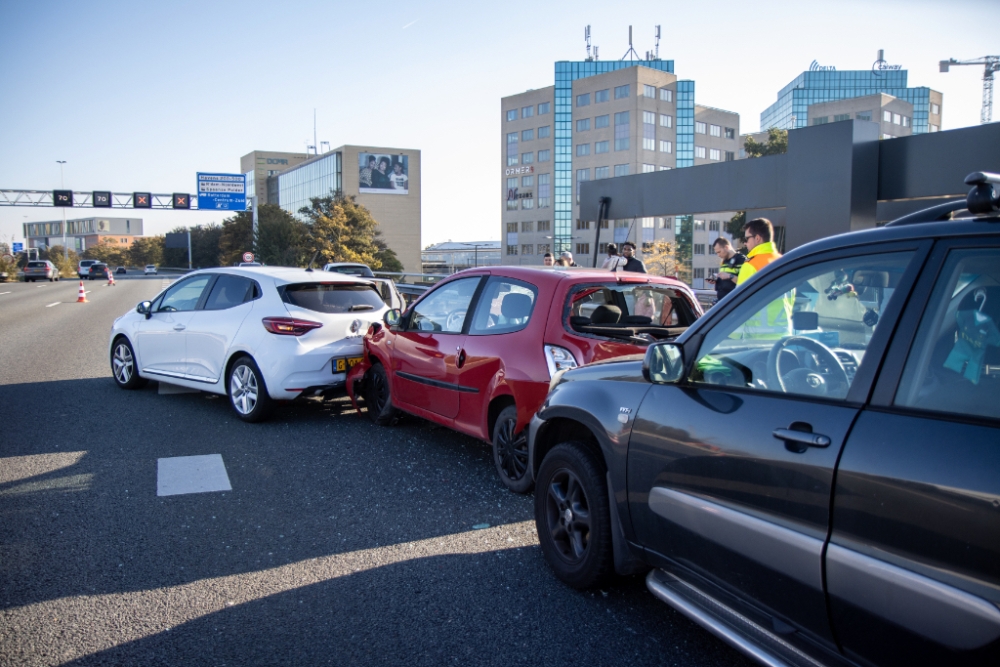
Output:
(982, 198)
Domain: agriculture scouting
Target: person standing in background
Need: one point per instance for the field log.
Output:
(725, 279)
(632, 263)
(613, 261)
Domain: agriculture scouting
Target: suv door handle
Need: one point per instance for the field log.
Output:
(179, 327)
(798, 440)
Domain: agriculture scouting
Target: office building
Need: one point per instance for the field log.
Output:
(83, 233)
(599, 120)
(826, 84)
(451, 256)
(386, 181)
(894, 116)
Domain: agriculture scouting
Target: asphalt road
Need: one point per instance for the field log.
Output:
(340, 542)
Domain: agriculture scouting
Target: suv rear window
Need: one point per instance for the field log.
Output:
(332, 297)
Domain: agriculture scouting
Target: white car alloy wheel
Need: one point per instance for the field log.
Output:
(247, 391)
(124, 364)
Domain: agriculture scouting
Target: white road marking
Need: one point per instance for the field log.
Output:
(191, 474)
(53, 304)
(4, 292)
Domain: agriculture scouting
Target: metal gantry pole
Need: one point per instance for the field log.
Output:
(189, 249)
(62, 186)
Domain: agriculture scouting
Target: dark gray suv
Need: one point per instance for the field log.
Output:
(826, 494)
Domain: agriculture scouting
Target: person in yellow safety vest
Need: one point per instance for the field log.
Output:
(774, 321)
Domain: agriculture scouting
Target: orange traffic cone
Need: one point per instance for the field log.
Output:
(81, 296)
(111, 279)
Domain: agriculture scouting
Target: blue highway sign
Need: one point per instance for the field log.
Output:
(222, 192)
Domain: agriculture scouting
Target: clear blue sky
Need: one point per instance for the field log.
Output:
(141, 95)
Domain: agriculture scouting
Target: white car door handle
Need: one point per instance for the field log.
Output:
(179, 327)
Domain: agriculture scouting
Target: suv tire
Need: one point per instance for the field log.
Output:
(378, 397)
(247, 392)
(510, 452)
(572, 516)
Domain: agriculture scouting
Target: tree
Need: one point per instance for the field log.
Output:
(110, 253)
(281, 238)
(236, 238)
(67, 265)
(341, 230)
(204, 247)
(735, 228)
(776, 144)
(659, 259)
(146, 250)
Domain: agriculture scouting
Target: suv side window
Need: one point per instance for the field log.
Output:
(505, 306)
(184, 295)
(444, 309)
(954, 365)
(806, 332)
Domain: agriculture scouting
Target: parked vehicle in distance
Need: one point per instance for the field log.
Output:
(40, 269)
(350, 269)
(812, 471)
(477, 352)
(150, 270)
(83, 268)
(410, 292)
(98, 271)
(120, 271)
(259, 335)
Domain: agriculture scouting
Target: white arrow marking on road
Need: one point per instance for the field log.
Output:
(53, 304)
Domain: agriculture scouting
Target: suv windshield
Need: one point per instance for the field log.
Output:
(332, 297)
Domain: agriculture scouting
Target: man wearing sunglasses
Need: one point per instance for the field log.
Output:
(758, 235)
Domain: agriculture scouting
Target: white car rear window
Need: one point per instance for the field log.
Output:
(332, 297)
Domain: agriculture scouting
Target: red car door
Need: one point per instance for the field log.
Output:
(425, 361)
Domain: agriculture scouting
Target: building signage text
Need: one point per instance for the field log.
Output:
(513, 194)
(517, 171)
(880, 65)
(816, 67)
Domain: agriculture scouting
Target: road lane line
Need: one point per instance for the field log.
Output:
(4, 292)
(53, 304)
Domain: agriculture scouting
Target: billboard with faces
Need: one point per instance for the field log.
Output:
(383, 174)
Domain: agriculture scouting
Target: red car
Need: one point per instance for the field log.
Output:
(477, 352)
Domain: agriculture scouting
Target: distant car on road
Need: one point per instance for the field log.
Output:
(98, 271)
(120, 271)
(40, 269)
(350, 269)
(83, 268)
(258, 335)
(150, 270)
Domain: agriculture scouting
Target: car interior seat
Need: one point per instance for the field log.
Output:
(606, 315)
(515, 307)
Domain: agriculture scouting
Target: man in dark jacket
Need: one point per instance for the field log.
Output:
(725, 279)
(631, 263)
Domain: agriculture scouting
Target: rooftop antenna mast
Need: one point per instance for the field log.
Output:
(656, 54)
(586, 36)
(315, 143)
(630, 49)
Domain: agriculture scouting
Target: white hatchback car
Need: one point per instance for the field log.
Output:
(149, 270)
(258, 335)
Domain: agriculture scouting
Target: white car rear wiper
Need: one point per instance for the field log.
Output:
(361, 306)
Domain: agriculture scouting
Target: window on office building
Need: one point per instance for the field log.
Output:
(821, 120)
(887, 136)
(714, 154)
(699, 248)
(601, 96)
(649, 91)
(527, 226)
(512, 250)
(511, 148)
(647, 168)
(664, 168)
(527, 181)
(906, 121)
(601, 146)
(582, 149)
(934, 128)
(512, 114)
(527, 112)
(730, 133)
(666, 146)
(543, 248)
(601, 172)
(863, 115)
(527, 135)
(582, 124)
(512, 228)
(621, 131)
(715, 130)
(621, 170)
(649, 130)
(666, 121)
(583, 249)
(544, 155)
(935, 109)
(665, 223)
(527, 249)
(897, 119)
(699, 151)
(581, 176)
(543, 132)
(700, 128)
(841, 116)
(730, 156)
(699, 225)
(527, 158)
(666, 95)
(583, 100)
(527, 203)
(887, 116)
(582, 225)
(544, 190)
(544, 108)
(714, 225)
(699, 273)
(543, 225)
(621, 92)
(601, 121)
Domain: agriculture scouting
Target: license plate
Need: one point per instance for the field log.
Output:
(341, 365)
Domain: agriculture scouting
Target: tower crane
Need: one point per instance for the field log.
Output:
(992, 64)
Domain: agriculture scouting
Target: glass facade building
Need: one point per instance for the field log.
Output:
(566, 73)
(812, 87)
(320, 177)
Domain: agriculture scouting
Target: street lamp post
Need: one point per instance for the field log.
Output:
(477, 246)
(62, 186)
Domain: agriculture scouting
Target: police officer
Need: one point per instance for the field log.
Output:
(725, 279)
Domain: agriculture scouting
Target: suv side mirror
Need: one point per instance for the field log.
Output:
(144, 308)
(664, 363)
(391, 317)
